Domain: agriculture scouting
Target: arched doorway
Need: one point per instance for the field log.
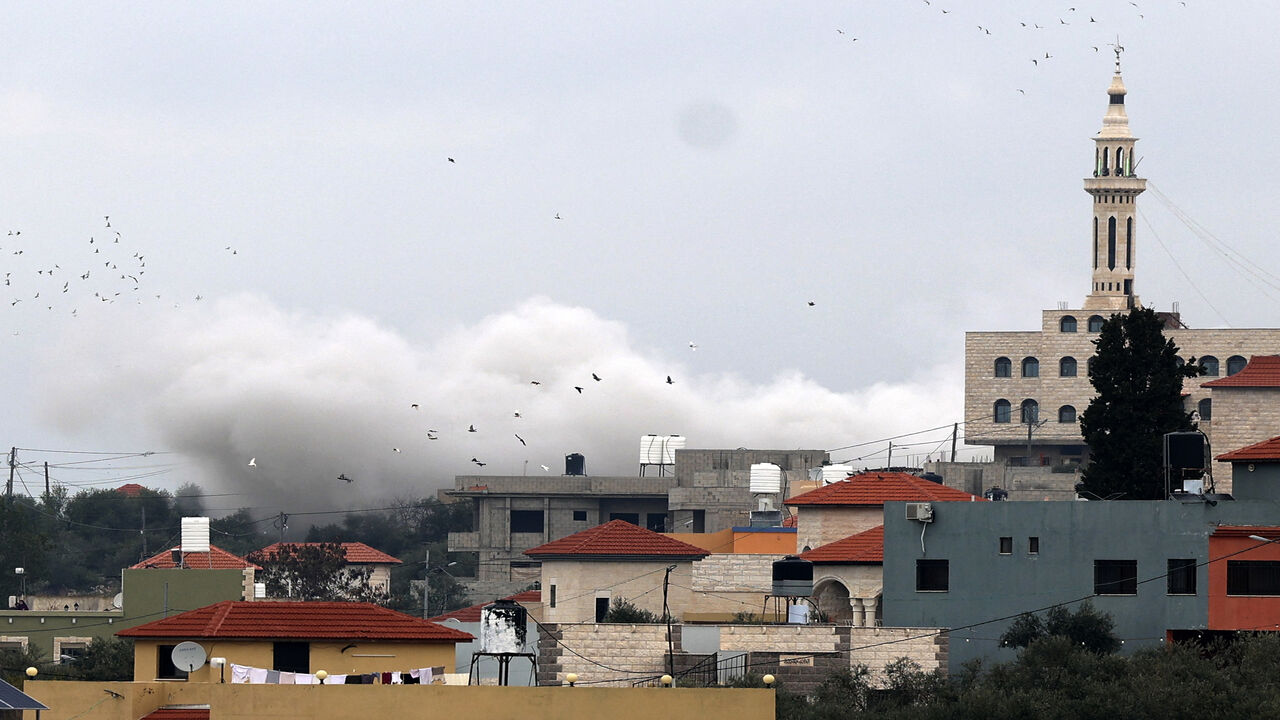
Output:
(832, 599)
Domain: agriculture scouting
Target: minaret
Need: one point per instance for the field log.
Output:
(1115, 190)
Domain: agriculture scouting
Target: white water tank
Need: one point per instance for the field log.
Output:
(503, 627)
(660, 449)
(766, 478)
(835, 473)
(195, 534)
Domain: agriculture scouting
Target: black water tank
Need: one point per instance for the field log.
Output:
(932, 477)
(792, 577)
(575, 464)
(1184, 450)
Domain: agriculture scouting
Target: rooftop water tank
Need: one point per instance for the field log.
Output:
(503, 627)
(766, 478)
(835, 473)
(792, 577)
(575, 464)
(660, 449)
(195, 534)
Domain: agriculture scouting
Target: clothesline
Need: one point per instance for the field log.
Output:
(247, 674)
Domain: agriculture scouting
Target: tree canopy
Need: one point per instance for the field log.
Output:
(1138, 378)
(1086, 627)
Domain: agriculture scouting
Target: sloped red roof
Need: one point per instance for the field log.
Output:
(1245, 530)
(791, 521)
(1262, 371)
(874, 489)
(294, 619)
(618, 539)
(472, 614)
(1267, 450)
(356, 552)
(215, 559)
(130, 489)
(178, 714)
(864, 547)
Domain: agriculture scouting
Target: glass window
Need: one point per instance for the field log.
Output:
(932, 575)
(1033, 545)
(579, 515)
(1235, 364)
(1095, 323)
(1066, 414)
(1067, 324)
(1030, 367)
(1182, 576)
(291, 657)
(165, 669)
(1003, 411)
(656, 522)
(1205, 407)
(1067, 367)
(1004, 367)
(1115, 577)
(1210, 365)
(1006, 546)
(1253, 577)
(1030, 411)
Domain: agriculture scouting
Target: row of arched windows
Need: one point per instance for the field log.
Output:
(1103, 166)
(1029, 412)
(1068, 323)
(1067, 366)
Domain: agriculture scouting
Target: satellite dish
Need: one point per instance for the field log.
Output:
(117, 602)
(188, 656)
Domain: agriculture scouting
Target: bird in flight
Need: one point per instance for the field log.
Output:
(578, 388)
(545, 468)
(431, 436)
(413, 405)
(670, 381)
(522, 442)
(253, 462)
(451, 160)
(396, 450)
(558, 216)
(1024, 92)
(107, 219)
(534, 382)
(516, 413)
(693, 346)
(471, 428)
(812, 303)
(343, 477)
(477, 462)
(595, 377)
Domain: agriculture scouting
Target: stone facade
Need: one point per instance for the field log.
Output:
(801, 656)
(572, 589)
(849, 594)
(1249, 415)
(818, 525)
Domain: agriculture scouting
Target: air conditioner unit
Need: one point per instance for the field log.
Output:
(920, 512)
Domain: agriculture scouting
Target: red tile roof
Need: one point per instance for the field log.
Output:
(293, 619)
(874, 489)
(618, 539)
(215, 559)
(472, 614)
(178, 714)
(130, 489)
(1262, 371)
(1267, 450)
(1245, 530)
(864, 547)
(356, 552)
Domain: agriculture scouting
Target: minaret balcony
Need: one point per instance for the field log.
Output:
(1115, 184)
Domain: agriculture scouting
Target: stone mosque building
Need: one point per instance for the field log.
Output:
(1025, 390)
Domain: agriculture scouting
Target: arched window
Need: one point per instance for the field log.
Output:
(1205, 407)
(1066, 414)
(1128, 243)
(1178, 359)
(1089, 364)
(1210, 365)
(1030, 411)
(1030, 367)
(1067, 367)
(1111, 243)
(1095, 243)
(1004, 367)
(1235, 364)
(1067, 324)
(1095, 323)
(1119, 161)
(1106, 156)
(1002, 411)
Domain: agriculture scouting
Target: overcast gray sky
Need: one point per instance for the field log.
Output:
(627, 179)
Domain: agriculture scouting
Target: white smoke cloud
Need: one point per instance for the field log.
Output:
(314, 397)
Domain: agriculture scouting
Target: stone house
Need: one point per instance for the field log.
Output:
(360, 558)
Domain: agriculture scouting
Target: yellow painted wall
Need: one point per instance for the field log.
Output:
(732, 541)
(365, 657)
(87, 701)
